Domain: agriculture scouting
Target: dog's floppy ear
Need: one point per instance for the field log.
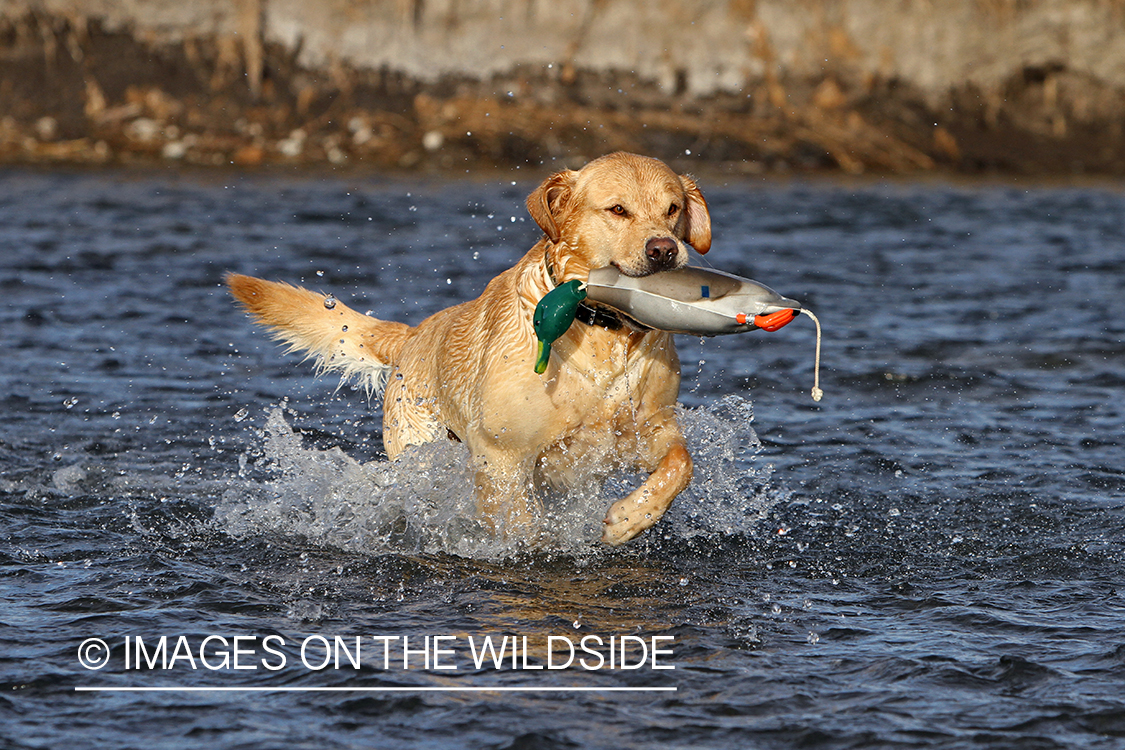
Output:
(547, 202)
(698, 232)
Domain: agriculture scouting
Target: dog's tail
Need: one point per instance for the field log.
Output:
(339, 338)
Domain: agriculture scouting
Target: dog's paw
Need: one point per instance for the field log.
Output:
(626, 519)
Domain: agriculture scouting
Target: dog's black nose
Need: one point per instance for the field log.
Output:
(661, 251)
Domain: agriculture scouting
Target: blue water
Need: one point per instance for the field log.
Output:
(932, 556)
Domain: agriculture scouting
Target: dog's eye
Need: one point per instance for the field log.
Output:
(618, 210)
(673, 209)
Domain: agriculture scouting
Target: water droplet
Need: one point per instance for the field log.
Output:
(329, 302)
(241, 414)
(813, 638)
(344, 329)
(320, 273)
(70, 402)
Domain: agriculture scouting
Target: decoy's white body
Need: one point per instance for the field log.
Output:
(691, 300)
(698, 301)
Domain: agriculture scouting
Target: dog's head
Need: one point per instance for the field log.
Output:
(624, 210)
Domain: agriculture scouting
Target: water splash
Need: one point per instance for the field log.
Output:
(423, 502)
(730, 492)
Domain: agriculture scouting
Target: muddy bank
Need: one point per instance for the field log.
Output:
(413, 85)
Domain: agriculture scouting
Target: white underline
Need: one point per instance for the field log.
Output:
(95, 689)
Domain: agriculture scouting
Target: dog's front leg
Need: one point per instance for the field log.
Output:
(503, 497)
(644, 506)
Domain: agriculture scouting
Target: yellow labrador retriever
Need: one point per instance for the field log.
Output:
(608, 394)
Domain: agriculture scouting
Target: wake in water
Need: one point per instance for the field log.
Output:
(423, 502)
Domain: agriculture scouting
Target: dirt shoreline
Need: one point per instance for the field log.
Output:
(74, 92)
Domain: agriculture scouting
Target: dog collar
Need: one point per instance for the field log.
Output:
(598, 316)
